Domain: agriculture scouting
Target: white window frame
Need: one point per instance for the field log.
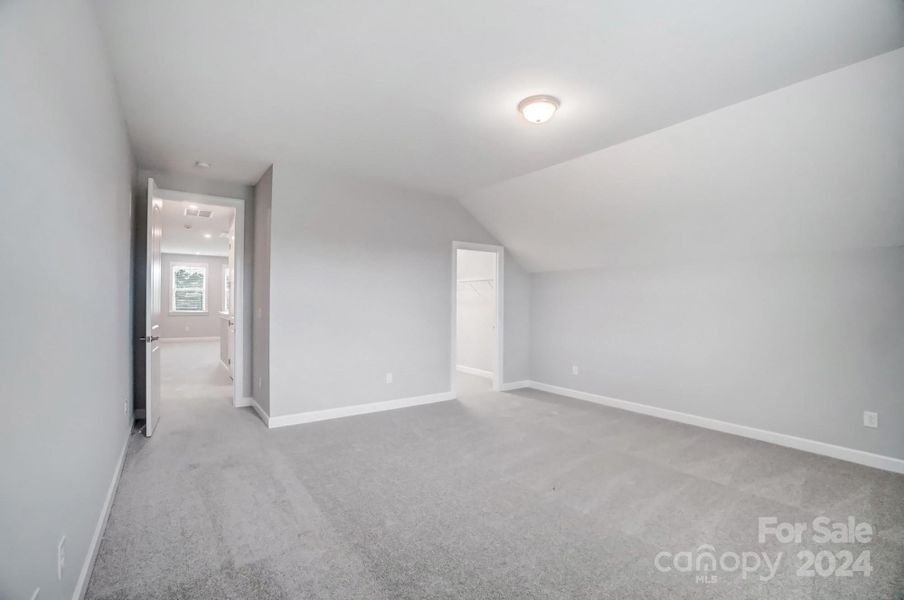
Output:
(172, 280)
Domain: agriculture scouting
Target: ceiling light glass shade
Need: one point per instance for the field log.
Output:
(538, 109)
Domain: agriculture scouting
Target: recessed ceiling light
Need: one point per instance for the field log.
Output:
(202, 164)
(538, 109)
(207, 235)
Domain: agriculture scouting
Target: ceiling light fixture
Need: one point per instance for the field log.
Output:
(202, 164)
(538, 109)
(207, 235)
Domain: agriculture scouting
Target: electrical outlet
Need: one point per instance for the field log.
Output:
(389, 378)
(125, 408)
(574, 369)
(61, 557)
(870, 419)
(260, 383)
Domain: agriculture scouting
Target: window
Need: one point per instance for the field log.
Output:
(189, 288)
(227, 290)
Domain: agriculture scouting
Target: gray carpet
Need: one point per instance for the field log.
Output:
(500, 495)
(471, 385)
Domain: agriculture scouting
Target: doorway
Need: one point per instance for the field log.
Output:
(477, 318)
(191, 305)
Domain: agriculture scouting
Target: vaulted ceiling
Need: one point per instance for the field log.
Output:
(423, 94)
(812, 168)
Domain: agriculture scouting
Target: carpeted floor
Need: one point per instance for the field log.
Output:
(499, 495)
(471, 385)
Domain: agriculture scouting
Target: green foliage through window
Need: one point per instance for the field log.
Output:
(189, 288)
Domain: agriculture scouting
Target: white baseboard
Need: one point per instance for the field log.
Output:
(514, 385)
(81, 586)
(474, 371)
(878, 461)
(357, 409)
(171, 340)
(243, 402)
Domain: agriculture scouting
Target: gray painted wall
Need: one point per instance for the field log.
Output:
(192, 325)
(800, 345)
(779, 304)
(226, 189)
(361, 285)
(66, 177)
(261, 305)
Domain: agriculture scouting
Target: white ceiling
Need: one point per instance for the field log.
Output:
(812, 168)
(179, 240)
(423, 94)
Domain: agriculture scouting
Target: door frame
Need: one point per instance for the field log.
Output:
(499, 354)
(238, 284)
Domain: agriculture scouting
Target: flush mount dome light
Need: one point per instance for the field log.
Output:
(538, 109)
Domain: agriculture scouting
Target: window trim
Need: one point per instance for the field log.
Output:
(173, 311)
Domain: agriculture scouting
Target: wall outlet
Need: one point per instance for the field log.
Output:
(125, 408)
(870, 419)
(389, 378)
(574, 369)
(61, 557)
(260, 383)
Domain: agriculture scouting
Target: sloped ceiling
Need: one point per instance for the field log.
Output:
(814, 167)
(422, 94)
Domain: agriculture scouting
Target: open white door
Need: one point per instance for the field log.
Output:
(230, 302)
(152, 305)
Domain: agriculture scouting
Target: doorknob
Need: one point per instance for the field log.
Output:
(149, 338)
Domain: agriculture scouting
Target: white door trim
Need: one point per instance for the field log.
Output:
(238, 381)
(500, 295)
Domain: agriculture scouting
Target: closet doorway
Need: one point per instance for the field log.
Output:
(477, 318)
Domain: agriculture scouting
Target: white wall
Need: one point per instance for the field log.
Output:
(193, 325)
(66, 177)
(780, 306)
(360, 286)
(475, 321)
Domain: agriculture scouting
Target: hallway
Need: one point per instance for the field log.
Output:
(193, 379)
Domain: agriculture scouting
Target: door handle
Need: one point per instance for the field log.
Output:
(149, 338)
